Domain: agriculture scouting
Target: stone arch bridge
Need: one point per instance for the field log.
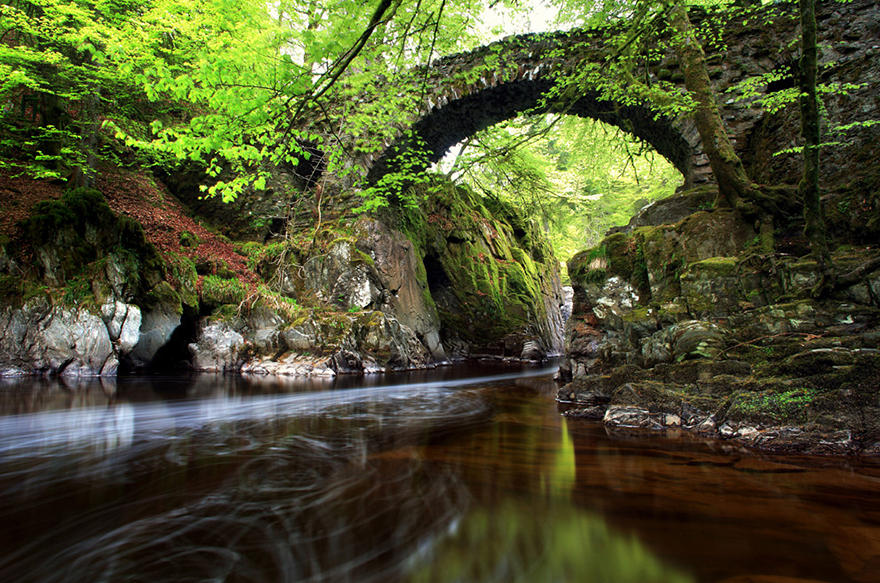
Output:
(472, 91)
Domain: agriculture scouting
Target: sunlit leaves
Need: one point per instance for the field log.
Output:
(578, 177)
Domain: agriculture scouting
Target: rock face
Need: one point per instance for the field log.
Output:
(354, 296)
(312, 345)
(115, 306)
(43, 339)
(455, 277)
(490, 273)
(367, 266)
(690, 325)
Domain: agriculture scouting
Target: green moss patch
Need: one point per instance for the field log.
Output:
(217, 290)
(785, 407)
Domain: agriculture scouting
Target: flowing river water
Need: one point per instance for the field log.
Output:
(459, 474)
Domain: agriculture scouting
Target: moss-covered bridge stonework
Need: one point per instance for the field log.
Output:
(472, 91)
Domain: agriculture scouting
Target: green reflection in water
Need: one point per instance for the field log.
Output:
(547, 540)
(563, 473)
(514, 541)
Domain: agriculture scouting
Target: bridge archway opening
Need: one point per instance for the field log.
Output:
(465, 115)
(581, 176)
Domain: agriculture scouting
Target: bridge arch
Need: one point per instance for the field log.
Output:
(458, 103)
(443, 127)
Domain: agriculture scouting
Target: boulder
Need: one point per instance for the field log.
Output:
(44, 339)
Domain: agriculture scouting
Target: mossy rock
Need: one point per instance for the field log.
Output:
(772, 408)
(493, 257)
(74, 236)
(655, 396)
(165, 297)
(218, 290)
(190, 240)
(76, 208)
(184, 275)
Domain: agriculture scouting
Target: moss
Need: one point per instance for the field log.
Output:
(790, 406)
(78, 291)
(595, 276)
(581, 264)
(361, 257)
(225, 313)
(188, 239)
(493, 255)
(183, 273)
(638, 315)
(716, 266)
(249, 248)
(625, 257)
(217, 290)
(164, 295)
(213, 266)
(75, 209)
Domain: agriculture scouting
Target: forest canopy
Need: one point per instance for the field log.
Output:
(237, 87)
(230, 85)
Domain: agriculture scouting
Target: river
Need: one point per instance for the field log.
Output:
(458, 474)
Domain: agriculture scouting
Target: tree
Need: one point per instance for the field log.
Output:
(733, 183)
(231, 85)
(53, 59)
(808, 188)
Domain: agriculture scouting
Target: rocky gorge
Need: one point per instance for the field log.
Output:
(683, 320)
(693, 316)
(86, 294)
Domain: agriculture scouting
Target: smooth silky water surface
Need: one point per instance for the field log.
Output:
(464, 474)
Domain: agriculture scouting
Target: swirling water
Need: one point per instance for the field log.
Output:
(459, 474)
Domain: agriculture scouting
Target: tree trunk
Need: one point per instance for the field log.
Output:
(84, 173)
(733, 183)
(808, 188)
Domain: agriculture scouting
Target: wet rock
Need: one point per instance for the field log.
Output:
(620, 416)
(158, 323)
(532, 350)
(398, 266)
(594, 413)
(43, 339)
(345, 343)
(218, 348)
(294, 365)
(123, 323)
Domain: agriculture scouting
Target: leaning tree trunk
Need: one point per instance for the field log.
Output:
(808, 188)
(733, 183)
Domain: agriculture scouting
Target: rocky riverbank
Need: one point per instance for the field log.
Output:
(98, 283)
(682, 320)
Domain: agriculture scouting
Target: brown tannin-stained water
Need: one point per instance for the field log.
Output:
(429, 476)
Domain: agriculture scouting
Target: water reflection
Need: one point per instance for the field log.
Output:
(513, 543)
(415, 478)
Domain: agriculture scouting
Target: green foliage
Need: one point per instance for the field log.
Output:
(57, 77)
(786, 407)
(578, 177)
(229, 85)
(218, 290)
(407, 170)
(188, 239)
